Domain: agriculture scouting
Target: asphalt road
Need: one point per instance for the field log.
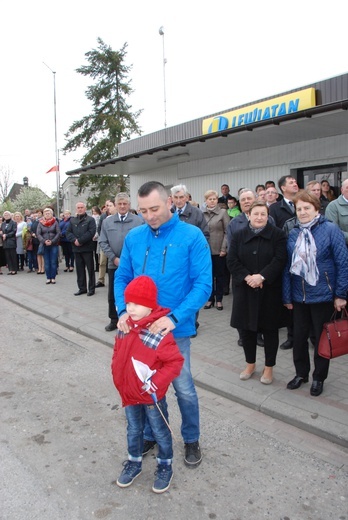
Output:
(63, 441)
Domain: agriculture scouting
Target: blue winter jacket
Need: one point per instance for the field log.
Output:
(177, 257)
(332, 263)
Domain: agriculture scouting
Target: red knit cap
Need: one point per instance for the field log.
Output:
(143, 291)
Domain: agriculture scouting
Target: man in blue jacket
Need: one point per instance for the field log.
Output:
(177, 257)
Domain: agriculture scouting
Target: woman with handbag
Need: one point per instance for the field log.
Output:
(315, 283)
(48, 233)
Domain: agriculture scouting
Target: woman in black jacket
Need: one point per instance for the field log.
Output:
(256, 259)
(9, 230)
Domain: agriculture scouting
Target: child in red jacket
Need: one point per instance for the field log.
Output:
(162, 361)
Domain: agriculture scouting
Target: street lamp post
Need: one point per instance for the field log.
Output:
(55, 137)
(161, 32)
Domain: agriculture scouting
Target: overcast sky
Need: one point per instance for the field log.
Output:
(219, 55)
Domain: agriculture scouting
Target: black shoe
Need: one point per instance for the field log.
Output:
(296, 382)
(193, 456)
(112, 326)
(259, 340)
(317, 388)
(100, 284)
(287, 345)
(148, 446)
(90, 293)
(240, 343)
(79, 292)
(193, 336)
(219, 307)
(209, 305)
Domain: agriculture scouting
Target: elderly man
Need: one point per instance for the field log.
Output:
(112, 235)
(80, 233)
(186, 211)
(177, 257)
(337, 210)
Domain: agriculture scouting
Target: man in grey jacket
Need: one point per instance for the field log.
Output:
(111, 238)
(337, 210)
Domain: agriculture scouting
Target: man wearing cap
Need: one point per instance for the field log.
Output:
(177, 257)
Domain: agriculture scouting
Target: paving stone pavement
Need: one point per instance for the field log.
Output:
(216, 358)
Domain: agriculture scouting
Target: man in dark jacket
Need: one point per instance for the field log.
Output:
(186, 211)
(80, 233)
(281, 212)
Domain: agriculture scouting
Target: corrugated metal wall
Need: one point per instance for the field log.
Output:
(245, 169)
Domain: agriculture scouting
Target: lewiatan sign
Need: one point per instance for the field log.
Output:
(263, 111)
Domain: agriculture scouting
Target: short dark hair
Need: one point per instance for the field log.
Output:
(260, 186)
(270, 183)
(282, 181)
(150, 186)
(227, 186)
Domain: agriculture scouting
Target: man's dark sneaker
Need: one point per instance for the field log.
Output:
(193, 456)
(148, 446)
(112, 326)
(100, 284)
(163, 478)
(287, 345)
(130, 471)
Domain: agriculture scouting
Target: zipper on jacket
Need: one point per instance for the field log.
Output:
(164, 259)
(145, 259)
(303, 290)
(328, 281)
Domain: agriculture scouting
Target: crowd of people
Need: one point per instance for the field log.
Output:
(283, 253)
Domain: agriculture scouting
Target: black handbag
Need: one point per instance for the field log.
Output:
(334, 337)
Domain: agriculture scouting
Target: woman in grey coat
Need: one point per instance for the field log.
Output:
(217, 220)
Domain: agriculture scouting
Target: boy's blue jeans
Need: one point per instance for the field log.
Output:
(186, 394)
(135, 431)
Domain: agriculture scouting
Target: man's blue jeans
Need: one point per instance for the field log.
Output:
(186, 394)
(136, 415)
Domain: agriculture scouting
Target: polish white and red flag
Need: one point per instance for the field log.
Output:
(53, 169)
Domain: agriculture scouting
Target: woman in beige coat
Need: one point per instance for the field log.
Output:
(217, 220)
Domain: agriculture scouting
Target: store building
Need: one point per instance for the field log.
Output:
(302, 132)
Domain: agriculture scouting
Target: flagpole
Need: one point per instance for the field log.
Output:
(55, 138)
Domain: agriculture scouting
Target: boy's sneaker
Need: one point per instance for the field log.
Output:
(130, 471)
(148, 446)
(193, 456)
(163, 478)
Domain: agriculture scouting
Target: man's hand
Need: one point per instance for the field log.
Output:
(162, 325)
(122, 324)
(254, 280)
(289, 306)
(77, 243)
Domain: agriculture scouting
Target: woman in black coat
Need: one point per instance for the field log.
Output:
(9, 230)
(256, 259)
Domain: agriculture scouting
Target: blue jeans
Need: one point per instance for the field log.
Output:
(51, 261)
(186, 394)
(136, 415)
(32, 260)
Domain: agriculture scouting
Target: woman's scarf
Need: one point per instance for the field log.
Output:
(48, 222)
(304, 256)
